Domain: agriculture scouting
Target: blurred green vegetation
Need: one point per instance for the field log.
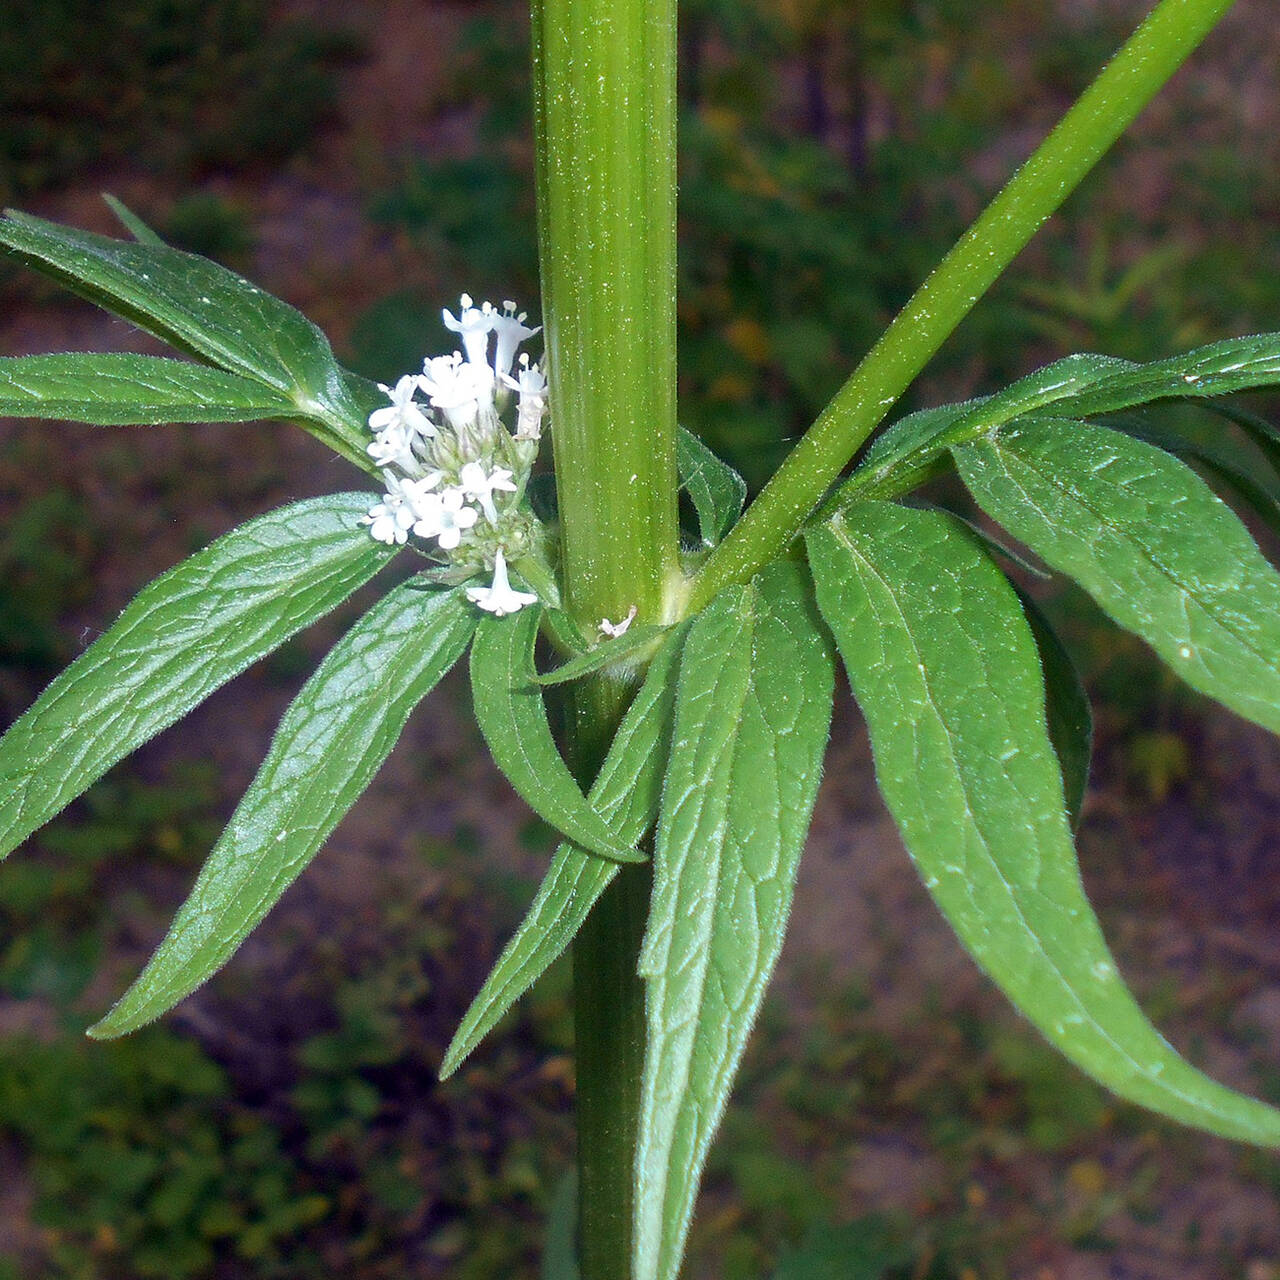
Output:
(211, 225)
(45, 550)
(175, 86)
(182, 1150)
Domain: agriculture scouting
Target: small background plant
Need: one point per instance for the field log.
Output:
(966, 1145)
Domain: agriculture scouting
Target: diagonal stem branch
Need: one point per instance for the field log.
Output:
(1138, 71)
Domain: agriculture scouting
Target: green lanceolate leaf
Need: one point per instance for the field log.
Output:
(330, 743)
(753, 709)
(127, 390)
(560, 1243)
(511, 715)
(1077, 386)
(625, 794)
(1220, 466)
(130, 221)
(715, 488)
(1238, 364)
(946, 672)
(204, 310)
(1149, 540)
(1080, 386)
(622, 651)
(183, 636)
(1068, 716)
(902, 456)
(1264, 434)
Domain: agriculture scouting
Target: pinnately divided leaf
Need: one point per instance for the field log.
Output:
(1150, 541)
(715, 488)
(626, 795)
(332, 740)
(753, 709)
(117, 389)
(509, 709)
(946, 672)
(183, 636)
(204, 310)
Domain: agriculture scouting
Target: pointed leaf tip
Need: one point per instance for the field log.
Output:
(753, 711)
(945, 670)
(513, 719)
(330, 743)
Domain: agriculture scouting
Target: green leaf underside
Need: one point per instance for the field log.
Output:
(620, 651)
(509, 709)
(179, 639)
(1264, 434)
(717, 491)
(1075, 387)
(1150, 541)
(753, 709)
(625, 794)
(1068, 716)
(945, 670)
(329, 745)
(127, 390)
(203, 310)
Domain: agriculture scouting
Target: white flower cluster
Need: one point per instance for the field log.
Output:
(455, 474)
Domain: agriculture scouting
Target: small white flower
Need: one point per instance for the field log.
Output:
(532, 386)
(473, 326)
(500, 599)
(456, 388)
(480, 487)
(615, 629)
(403, 413)
(394, 448)
(389, 521)
(388, 524)
(444, 517)
(512, 331)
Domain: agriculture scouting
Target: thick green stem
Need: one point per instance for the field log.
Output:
(1107, 108)
(609, 1021)
(609, 1017)
(604, 107)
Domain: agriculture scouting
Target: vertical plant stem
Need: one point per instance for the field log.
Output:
(608, 1013)
(604, 112)
(609, 1021)
(1146, 61)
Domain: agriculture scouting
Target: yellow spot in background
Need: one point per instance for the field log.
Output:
(748, 338)
(1087, 1177)
(731, 388)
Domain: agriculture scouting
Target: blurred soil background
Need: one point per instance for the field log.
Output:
(368, 162)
